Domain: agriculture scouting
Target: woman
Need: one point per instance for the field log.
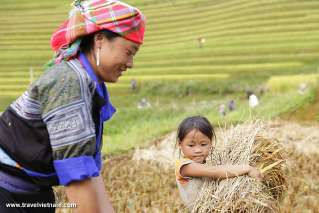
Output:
(52, 134)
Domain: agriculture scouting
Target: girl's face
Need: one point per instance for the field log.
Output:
(196, 146)
(116, 56)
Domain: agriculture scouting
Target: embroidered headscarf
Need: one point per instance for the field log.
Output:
(90, 16)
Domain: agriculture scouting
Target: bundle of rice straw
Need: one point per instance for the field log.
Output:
(244, 144)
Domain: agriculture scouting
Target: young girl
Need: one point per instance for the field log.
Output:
(194, 138)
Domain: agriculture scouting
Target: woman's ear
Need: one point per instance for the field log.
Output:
(98, 39)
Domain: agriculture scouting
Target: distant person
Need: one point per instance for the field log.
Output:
(52, 134)
(133, 85)
(144, 103)
(249, 93)
(302, 88)
(195, 137)
(231, 105)
(201, 41)
(222, 110)
(253, 101)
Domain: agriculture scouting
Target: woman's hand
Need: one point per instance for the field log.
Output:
(89, 195)
(255, 173)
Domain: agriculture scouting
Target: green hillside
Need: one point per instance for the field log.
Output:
(241, 37)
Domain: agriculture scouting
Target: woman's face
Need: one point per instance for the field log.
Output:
(116, 56)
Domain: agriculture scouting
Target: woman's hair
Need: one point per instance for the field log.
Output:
(87, 42)
(199, 123)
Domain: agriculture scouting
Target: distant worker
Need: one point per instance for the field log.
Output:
(231, 105)
(133, 85)
(144, 103)
(248, 93)
(201, 41)
(302, 88)
(253, 101)
(222, 110)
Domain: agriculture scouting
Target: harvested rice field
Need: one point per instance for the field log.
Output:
(144, 180)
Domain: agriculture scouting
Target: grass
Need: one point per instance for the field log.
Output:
(288, 82)
(133, 127)
(217, 69)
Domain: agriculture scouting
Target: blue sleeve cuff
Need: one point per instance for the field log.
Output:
(75, 169)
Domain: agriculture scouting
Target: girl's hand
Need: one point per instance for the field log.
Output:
(255, 173)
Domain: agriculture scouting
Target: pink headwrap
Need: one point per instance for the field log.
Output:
(94, 15)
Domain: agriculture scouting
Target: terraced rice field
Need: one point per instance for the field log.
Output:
(243, 37)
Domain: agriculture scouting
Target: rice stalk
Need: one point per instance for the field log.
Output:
(244, 144)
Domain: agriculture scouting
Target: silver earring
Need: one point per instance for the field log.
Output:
(98, 57)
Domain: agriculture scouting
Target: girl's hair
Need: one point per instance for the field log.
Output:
(199, 123)
(87, 42)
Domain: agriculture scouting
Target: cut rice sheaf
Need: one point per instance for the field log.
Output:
(245, 144)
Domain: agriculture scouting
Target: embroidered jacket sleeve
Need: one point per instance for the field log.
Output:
(65, 97)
